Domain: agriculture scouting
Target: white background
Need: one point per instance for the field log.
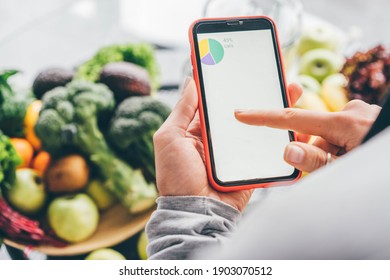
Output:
(282, 270)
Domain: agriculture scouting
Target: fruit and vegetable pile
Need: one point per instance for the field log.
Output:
(77, 143)
(330, 80)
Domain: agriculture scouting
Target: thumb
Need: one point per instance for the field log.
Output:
(305, 157)
(185, 109)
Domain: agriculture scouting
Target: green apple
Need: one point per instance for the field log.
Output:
(73, 218)
(141, 246)
(105, 254)
(320, 63)
(309, 84)
(28, 193)
(318, 36)
(100, 194)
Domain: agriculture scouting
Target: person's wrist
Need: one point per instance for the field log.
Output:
(200, 205)
(177, 191)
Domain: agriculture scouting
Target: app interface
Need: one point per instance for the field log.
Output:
(240, 72)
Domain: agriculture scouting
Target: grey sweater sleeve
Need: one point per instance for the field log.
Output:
(182, 224)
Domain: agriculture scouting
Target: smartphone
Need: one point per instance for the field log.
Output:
(237, 65)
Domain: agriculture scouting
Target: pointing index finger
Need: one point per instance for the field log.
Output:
(299, 120)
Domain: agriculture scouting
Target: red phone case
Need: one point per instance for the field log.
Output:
(212, 182)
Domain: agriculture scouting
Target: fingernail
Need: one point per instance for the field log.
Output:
(294, 154)
(239, 111)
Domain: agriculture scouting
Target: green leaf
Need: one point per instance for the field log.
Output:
(5, 74)
(5, 88)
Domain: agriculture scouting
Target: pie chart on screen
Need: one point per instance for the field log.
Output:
(211, 51)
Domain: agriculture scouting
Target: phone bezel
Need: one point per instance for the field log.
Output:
(242, 24)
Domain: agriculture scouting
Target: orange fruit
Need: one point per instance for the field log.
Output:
(30, 119)
(24, 149)
(41, 162)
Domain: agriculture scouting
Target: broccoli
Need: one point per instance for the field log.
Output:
(13, 106)
(140, 54)
(69, 118)
(132, 127)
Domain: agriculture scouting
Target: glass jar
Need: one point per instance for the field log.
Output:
(287, 15)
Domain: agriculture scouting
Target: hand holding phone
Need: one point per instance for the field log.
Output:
(237, 65)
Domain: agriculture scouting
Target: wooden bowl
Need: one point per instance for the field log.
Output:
(115, 226)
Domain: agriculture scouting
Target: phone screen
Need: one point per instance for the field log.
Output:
(239, 69)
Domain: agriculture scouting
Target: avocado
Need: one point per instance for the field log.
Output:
(126, 79)
(51, 78)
